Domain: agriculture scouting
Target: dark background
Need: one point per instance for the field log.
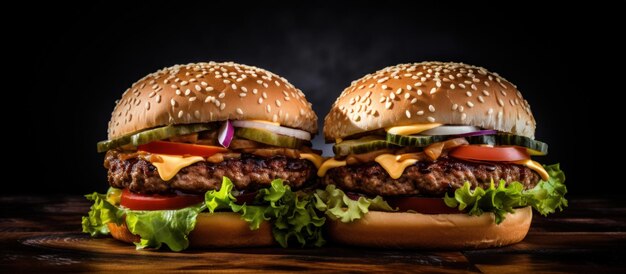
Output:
(74, 61)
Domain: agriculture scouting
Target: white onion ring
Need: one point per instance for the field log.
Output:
(450, 130)
(296, 133)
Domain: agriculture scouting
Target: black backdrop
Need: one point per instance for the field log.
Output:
(76, 60)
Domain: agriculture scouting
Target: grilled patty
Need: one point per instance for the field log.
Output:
(248, 172)
(427, 178)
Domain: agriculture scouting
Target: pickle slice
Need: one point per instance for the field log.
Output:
(415, 140)
(269, 138)
(154, 134)
(482, 140)
(361, 145)
(534, 147)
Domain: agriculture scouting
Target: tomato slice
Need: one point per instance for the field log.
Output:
(421, 205)
(493, 154)
(173, 148)
(136, 201)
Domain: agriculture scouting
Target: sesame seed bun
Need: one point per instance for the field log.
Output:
(436, 231)
(448, 93)
(209, 92)
(220, 229)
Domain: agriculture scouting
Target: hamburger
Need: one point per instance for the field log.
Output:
(209, 155)
(434, 155)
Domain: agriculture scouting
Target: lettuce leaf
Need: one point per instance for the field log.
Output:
(292, 214)
(100, 214)
(338, 206)
(170, 227)
(545, 197)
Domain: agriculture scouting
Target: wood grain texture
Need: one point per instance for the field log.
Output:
(43, 234)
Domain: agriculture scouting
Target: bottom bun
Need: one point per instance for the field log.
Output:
(220, 229)
(436, 231)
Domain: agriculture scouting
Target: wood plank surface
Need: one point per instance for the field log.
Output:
(42, 234)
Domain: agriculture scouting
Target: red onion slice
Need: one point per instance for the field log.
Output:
(300, 134)
(226, 133)
(450, 130)
(479, 133)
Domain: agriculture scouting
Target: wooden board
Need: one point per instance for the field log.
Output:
(43, 234)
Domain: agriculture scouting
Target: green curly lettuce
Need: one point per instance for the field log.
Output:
(338, 206)
(170, 227)
(100, 214)
(292, 214)
(545, 197)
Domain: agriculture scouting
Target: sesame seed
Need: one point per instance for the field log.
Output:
(180, 114)
(264, 95)
(356, 117)
(183, 83)
(392, 96)
(409, 87)
(490, 111)
(192, 98)
(452, 86)
(371, 86)
(407, 95)
(151, 94)
(178, 92)
(173, 86)
(381, 80)
(382, 99)
(461, 108)
(147, 105)
(461, 85)
(486, 83)
(268, 108)
(187, 92)
(474, 87)
(470, 104)
(486, 93)
(455, 106)
(277, 83)
(388, 105)
(260, 100)
(173, 102)
(399, 91)
(480, 98)
(433, 90)
(233, 86)
(221, 95)
(278, 103)
(243, 94)
(418, 84)
(384, 86)
(244, 89)
(500, 115)
(419, 92)
(503, 92)
(438, 84)
(204, 84)
(431, 119)
(239, 111)
(208, 89)
(414, 100)
(500, 102)
(226, 81)
(265, 85)
(463, 116)
(420, 112)
(408, 113)
(158, 98)
(196, 114)
(431, 108)
(468, 93)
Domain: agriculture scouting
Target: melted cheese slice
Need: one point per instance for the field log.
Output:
(314, 158)
(171, 164)
(328, 164)
(537, 167)
(392, 165)
(411, 129)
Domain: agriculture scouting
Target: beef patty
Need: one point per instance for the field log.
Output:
(427, 178)
(248, 172)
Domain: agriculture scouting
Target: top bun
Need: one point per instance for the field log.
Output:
(447, 93)
(209, 92)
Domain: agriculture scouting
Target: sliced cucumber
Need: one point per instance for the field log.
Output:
(154, 134)
(270, 138)
(414, 140)
(115, 143)
(165, 132)
(482, 140)
(534, 147)
(362, 145)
